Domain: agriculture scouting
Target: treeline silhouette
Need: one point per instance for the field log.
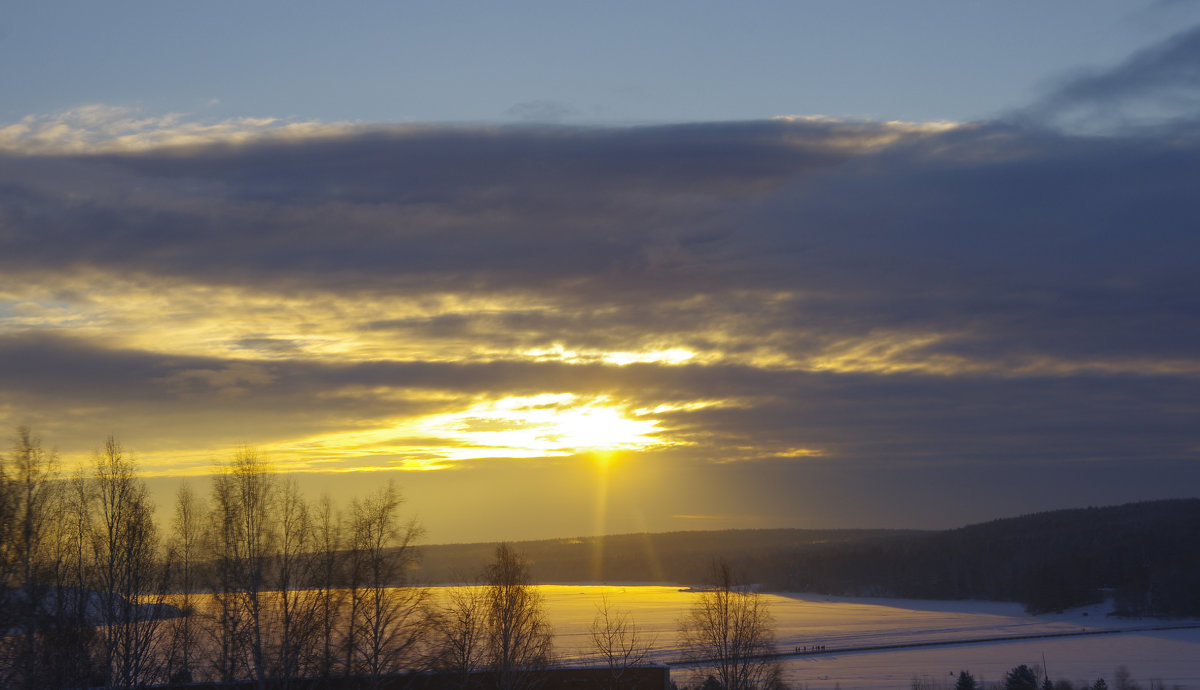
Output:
(1027, 677)
(664, 557)
(251, 583)
(1145, 555)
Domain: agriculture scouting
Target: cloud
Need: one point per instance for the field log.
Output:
(797, 293)
(188, 411)
(1159, 83)
(929, 254)
(99, 127)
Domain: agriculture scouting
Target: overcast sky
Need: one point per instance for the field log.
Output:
(607, 269)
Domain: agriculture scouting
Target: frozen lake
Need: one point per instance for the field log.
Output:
(841, 624)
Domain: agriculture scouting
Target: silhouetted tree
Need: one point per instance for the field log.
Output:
(295, 618)
(965, 681)
(69, 606)
(240, 538)
(124, 544)
(459, 632)
(388, 619)
(1123, 679)
(32, 567)
(617, 639)
(186, 528)
(328, 571)
(518, 636)
(1021, 678)
(83, 584)
(728, 631)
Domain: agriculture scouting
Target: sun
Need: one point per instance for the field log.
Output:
(598, 428)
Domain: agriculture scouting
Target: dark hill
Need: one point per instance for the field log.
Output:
(1147, 555)
(668, 557)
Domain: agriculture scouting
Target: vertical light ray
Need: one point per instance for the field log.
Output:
(603, 462)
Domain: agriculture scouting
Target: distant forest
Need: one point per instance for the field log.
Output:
(1146, 555)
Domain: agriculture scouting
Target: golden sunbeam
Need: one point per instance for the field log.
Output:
(600, 515)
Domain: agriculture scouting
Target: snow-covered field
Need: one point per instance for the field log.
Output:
(841, 624)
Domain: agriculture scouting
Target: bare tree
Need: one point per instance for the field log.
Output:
(124, 552)
(71, 576)
(327, 579)
(184, 548)
(617, 639)
(518, 636)
(460, 630)
(728, 633)
(9, 603)
(28, 555)
(224, 552)
(387, 617)
(295, 603)
(240, 538)
(8, 514)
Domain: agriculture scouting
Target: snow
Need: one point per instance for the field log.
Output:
(842, 624)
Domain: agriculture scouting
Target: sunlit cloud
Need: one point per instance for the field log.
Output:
(101, 128)
(539, 426)
(242, 325)
(723, 299)
(868, 134)
(558, 353)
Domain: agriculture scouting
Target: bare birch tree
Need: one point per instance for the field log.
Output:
(328, 570)
(124, 550)
(186, 533)
(618, 640)
(71, 627)
(518, 636)
(460, 632)
(32, 494)
(294, 602)
(240, 539)
(728, 632)
(388, 617)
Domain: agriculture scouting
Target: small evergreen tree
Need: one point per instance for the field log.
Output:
(965, 681)
(1021, 678)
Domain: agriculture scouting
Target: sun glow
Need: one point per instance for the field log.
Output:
(553, 424)
(597, 428)
(558, 353)
(547, 425)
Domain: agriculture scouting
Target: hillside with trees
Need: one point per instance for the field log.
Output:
(673, 557)
(1146, 555)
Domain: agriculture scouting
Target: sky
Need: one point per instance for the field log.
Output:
(562, 269)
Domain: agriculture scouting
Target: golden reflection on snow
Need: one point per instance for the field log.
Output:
(840, 624)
